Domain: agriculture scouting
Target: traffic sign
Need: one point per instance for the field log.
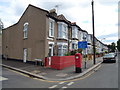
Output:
(82, 44)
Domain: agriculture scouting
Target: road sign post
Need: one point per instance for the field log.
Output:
(83, 45)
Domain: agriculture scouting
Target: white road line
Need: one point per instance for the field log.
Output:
(61, 82)
(64, 87)
(70, 83)
(53, 86)
(3, 78)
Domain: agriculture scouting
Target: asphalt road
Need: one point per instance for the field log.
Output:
(105, 77)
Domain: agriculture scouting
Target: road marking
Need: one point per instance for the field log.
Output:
(61, 82)
(18, 73)
(64, 87)
(70, 83)
(53, 86)
(3, 78)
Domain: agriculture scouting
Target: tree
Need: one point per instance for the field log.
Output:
(109, 48)
(112, 47)
(118, 45)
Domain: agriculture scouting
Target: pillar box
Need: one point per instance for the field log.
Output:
(78, 63)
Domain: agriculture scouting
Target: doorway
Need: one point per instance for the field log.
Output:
(25, 55)
(50, 50)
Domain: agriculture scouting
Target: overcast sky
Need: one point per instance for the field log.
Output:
(79, 11)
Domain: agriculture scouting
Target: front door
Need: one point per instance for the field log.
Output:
(25, 55)
(50, 50)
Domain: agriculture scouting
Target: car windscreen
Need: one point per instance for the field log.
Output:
(108, 55)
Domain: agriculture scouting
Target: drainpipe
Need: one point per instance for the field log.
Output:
(69, 37)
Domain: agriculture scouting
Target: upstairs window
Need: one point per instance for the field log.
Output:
(51, 28)
(75, 32)
(62, 30)
(25, 30)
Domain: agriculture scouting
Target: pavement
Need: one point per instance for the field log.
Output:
(48, 73)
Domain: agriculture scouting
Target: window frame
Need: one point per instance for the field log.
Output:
(62, 30)
(25, 30)
(75, 32)
(62, 48)
(51, 29)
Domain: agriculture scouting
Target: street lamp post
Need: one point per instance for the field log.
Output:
(94, 61)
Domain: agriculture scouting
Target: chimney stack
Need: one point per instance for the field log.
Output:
(53, 12)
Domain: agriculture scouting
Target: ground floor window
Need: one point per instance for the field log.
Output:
(74, 46)
(62, 49)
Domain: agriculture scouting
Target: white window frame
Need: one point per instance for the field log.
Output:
(51, 29)
(75, 32)
(75, 45)
(51, 43)
(62, 30)
(81, 36)
(63, 48)
(25, 30)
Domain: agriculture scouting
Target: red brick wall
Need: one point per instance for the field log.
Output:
(60, 62)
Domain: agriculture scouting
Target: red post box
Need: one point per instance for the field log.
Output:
(78, 63)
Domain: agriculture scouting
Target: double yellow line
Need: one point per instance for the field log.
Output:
(83, 77)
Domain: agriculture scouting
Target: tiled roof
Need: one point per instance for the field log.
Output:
(59, 17)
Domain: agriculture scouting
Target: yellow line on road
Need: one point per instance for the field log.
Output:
(18, 72)
(83, 77)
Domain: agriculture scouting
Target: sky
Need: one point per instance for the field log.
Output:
(79, 11)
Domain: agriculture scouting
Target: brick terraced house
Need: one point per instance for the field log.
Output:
(37, 34)
(40, 33)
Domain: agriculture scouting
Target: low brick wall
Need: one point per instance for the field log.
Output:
(61, 62)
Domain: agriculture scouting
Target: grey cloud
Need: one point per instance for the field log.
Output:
(108, 2)
(62, 5)
(18, 10)
(109, 35)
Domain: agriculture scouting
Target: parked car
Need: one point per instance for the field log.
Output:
(112, 53)
(109, 58)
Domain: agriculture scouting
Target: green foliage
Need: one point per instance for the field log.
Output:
(118, 45)
(67, 54)
(106, 52)
(80, 50)
(112, 47)
(97, 53)
(73, 52)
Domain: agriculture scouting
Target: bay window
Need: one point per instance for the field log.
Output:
(75, 32)
(62, 49)
(62, 30)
